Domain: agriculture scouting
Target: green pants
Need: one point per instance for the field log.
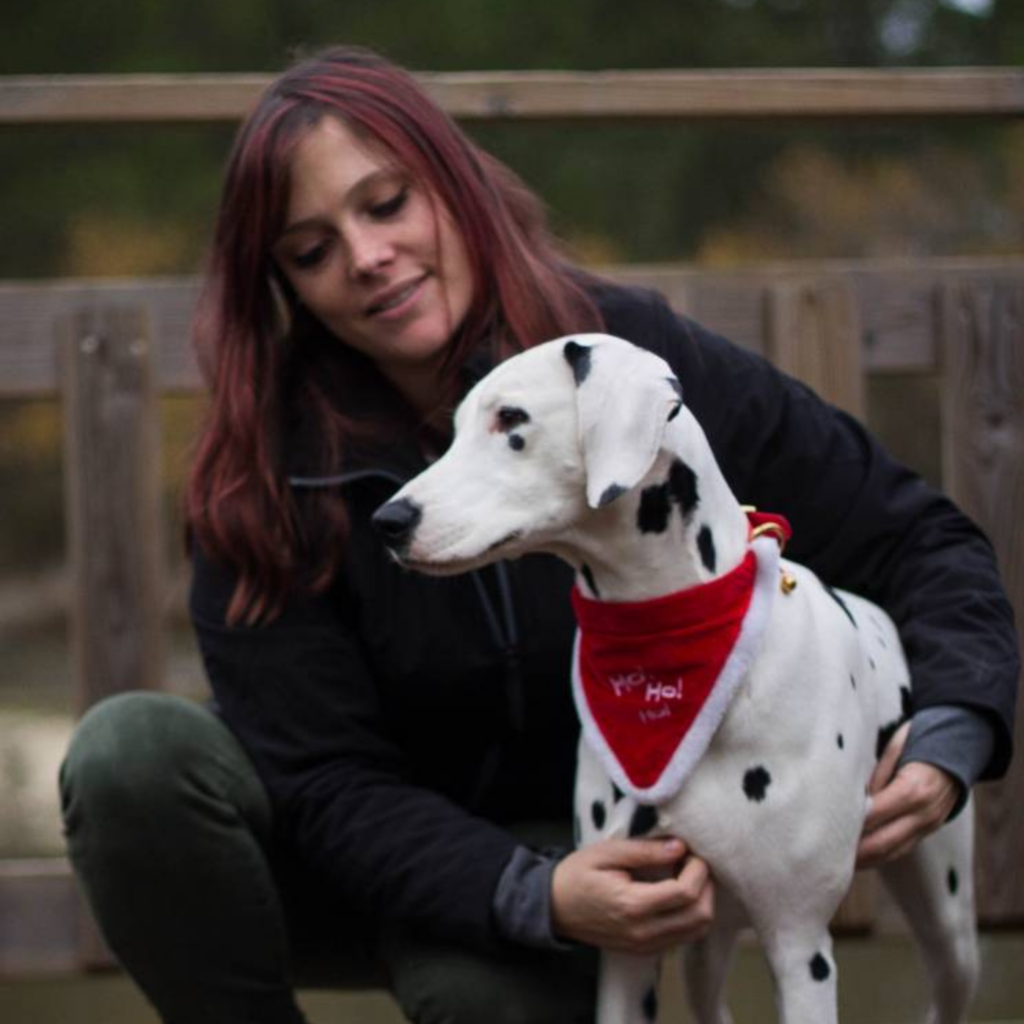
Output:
(169, 830)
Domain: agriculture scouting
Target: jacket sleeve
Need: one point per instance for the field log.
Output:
(862, 521)
(298, 695)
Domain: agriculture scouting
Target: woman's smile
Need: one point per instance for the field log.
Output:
(397, 301)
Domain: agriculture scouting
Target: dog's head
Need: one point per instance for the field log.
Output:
(544, 440)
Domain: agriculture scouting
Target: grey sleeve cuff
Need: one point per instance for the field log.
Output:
(522, 900)
(954, 738)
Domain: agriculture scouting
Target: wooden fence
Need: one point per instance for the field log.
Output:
(109, 349)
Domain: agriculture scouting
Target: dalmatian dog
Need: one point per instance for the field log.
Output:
(727, 696)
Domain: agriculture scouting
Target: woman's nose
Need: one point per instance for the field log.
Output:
(368, 252)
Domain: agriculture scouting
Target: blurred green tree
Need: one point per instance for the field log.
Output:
(628, 192)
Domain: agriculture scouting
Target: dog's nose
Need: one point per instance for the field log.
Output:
(396, 521)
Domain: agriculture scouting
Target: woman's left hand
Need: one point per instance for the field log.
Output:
(906, 805)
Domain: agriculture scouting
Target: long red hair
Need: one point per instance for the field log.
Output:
(256, 346)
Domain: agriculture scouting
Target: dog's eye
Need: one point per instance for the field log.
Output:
(510, 416)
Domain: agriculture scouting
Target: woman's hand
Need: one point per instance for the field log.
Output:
(598, 896)
(906, 805)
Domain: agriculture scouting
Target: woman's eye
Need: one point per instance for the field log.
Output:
(310, 257)
(388, 208)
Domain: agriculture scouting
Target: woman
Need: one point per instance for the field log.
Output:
(390, 754)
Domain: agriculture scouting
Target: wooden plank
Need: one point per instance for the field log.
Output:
(895, 299)
(30, 312)
(983, 466)
(112, 474)
(833, 93)
(814, 334)
(729, 94)
(899, 316)
(113, 501)
(895, 302)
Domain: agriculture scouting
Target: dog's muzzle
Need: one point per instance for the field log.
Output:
(396, 522)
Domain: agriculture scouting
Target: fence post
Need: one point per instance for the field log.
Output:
(112, 506)
(983, 470)
(813, 333)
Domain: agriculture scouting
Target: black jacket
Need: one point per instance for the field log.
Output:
(399, 721)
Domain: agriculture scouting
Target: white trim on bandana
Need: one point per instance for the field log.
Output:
(697, 738)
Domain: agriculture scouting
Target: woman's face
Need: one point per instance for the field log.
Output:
(374, 256)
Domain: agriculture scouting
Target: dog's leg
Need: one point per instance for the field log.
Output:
(628, 985)
(800, 956)
(934, 887)
(628, 990)
(706, 963)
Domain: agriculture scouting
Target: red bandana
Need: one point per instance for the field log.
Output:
(653, 679)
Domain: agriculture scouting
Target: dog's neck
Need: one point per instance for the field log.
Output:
(679, 527)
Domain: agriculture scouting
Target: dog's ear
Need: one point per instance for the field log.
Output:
(625, 396)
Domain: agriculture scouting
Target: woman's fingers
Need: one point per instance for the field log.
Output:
(635, 854)
(679, 892)
(886, 767)
(599, 895)
(917, 801)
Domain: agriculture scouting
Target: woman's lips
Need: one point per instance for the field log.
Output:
(394, 301)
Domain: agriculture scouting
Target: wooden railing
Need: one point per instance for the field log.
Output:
(832, 93)
(108, 350)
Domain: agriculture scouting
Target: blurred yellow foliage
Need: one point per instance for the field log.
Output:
(818, 205)
(29, 431)
(180, 417)
(593, 249)
(103, 245)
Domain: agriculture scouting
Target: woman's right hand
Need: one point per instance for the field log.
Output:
(599, 897)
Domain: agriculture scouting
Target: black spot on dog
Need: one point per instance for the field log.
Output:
(820, 969)
(853, 682)
(756, 782)
(587, 573)
(706, 547)
(643, 821)
(656, 501)
(655, 506)
(871, 662)
(842, 604)
(650, 1004)
(516, 442)
(678, 389)
(885, 733)
(953, 882)
(906, 701)
(598, 814)
(840, 742)
(682, 485)
(610, 493)
(578, 357)
(617, 793)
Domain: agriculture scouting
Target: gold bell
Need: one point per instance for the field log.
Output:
(788, 583)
